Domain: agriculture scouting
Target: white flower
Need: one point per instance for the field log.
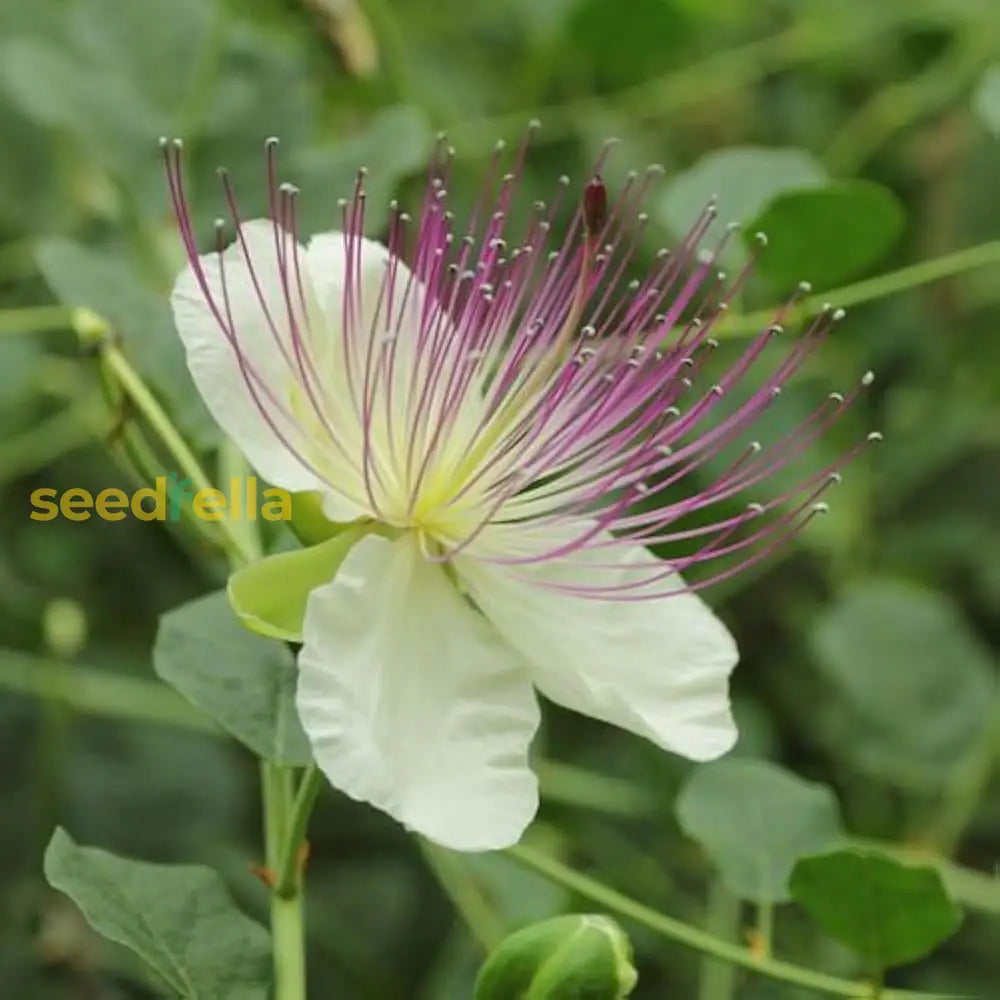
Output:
(506, 418)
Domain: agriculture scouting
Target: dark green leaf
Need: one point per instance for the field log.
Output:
(244, 681)
(828, 234)
(889, 913)
(178, 918)
(755, 820)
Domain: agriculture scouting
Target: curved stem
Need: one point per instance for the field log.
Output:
(880, 287)
(119, 368)
(692, 937)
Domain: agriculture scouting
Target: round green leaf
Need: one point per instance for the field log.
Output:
(178, 918)
(755, 820)
(826, 235)
(913, 683)
(270, 595)
(889, 913)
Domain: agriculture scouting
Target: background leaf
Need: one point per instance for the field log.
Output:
(743, 179)
(914, 685)
(178, 918)
(828, 234)
(244, 681)
(755, 820)
(889, 913)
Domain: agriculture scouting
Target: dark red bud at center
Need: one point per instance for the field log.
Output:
(595, 206)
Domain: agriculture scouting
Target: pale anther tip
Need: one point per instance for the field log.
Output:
(272, 140)
(821, 508)
(761, 238)
(835, 477)
(875, 436)
(868, 378)
(839, 314)
(733, 227)
(756, 447)
(163, 141)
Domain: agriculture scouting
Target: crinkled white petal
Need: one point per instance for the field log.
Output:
(658, 667)
(413, 703)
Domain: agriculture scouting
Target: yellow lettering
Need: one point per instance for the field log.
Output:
(158, 512)
(42, 500)
(110, 504)
(75, 504)
(209, 504)
(277, 505)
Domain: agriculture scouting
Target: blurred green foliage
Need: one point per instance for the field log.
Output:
(865, 137)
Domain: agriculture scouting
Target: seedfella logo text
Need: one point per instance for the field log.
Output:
(164, 501)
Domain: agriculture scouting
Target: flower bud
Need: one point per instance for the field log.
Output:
(576, 957)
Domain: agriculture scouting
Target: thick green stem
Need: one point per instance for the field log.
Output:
(692, 937)
(287, 918)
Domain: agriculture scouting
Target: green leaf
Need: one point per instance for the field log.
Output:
(889, 913)
(743, 179)
(270, 595)
(914, 684)
(178, 918)
(111, 286)
(826, 235)
(245, 682)
(755, 820)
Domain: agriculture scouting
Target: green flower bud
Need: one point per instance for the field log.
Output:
(577, 957)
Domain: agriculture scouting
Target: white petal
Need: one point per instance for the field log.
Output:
(657, 667)
(215, 365)
(413, 703)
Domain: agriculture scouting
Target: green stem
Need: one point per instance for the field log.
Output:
(692, 937)
(765, 926)
(717, 980)
(36, 319)
(119, 368)
(468, 898)
(287, 919)
(891, 283)
(289, 871)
